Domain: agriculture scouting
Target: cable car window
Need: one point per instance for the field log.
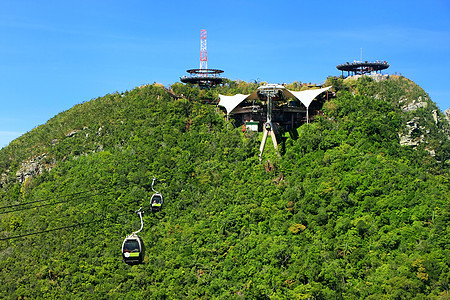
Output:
(131, 246)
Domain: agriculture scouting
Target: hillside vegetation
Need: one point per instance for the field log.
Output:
(346, 213)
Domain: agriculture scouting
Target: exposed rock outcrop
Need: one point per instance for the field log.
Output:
(435, 116)
(408, 139)
(420, 127)
(414, 105)
(32, 167)
(3, 178)
(376, 77)
(72, 133)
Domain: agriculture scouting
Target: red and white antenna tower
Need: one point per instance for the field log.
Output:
(203, 56)
(204, 77)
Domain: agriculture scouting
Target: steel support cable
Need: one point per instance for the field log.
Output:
(64, 227)
(48, 204)
(43, 200)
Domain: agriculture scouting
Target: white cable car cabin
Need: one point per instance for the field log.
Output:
(133, 250)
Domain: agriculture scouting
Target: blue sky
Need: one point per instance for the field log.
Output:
(55, 54)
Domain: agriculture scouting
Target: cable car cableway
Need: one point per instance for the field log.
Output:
(156, 201)
(133, 246)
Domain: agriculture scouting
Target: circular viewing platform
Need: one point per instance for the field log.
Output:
(203, 77)
(360, 68)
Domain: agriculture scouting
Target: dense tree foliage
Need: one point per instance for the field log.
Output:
(346, 213)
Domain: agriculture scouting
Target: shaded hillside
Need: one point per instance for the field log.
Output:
(347, 212)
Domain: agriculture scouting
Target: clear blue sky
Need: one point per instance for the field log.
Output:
(55, 54)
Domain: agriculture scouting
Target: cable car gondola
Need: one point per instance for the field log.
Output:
(133, 246)
(156, 201)
(133, 250)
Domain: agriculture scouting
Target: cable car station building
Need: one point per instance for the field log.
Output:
(270, 107)
(289, 109)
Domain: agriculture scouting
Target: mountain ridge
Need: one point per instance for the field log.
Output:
(347, 212)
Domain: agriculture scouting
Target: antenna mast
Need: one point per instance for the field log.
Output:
(204, 77)
(203, 55)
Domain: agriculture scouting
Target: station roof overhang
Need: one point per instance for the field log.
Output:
(305, 97)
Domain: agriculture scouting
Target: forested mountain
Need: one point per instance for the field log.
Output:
(357, 207)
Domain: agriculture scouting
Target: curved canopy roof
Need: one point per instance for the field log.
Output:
(305, 97)
(230, 102)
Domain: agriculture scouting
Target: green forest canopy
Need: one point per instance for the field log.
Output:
(346, 213)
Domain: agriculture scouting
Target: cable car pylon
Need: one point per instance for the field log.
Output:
(269, 91)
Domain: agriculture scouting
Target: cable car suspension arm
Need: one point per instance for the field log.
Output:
(153, 182)
(139, 212)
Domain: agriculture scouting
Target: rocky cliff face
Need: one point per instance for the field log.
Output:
(414, 104)
(376, 77)
(35, 165)
(32, 167)
(410, 138)
(414, 131)
(423, 122)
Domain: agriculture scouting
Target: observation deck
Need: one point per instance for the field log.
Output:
(360, 68)
(203, 77)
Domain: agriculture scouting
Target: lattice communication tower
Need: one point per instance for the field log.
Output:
(203, 53)
(203, 76)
